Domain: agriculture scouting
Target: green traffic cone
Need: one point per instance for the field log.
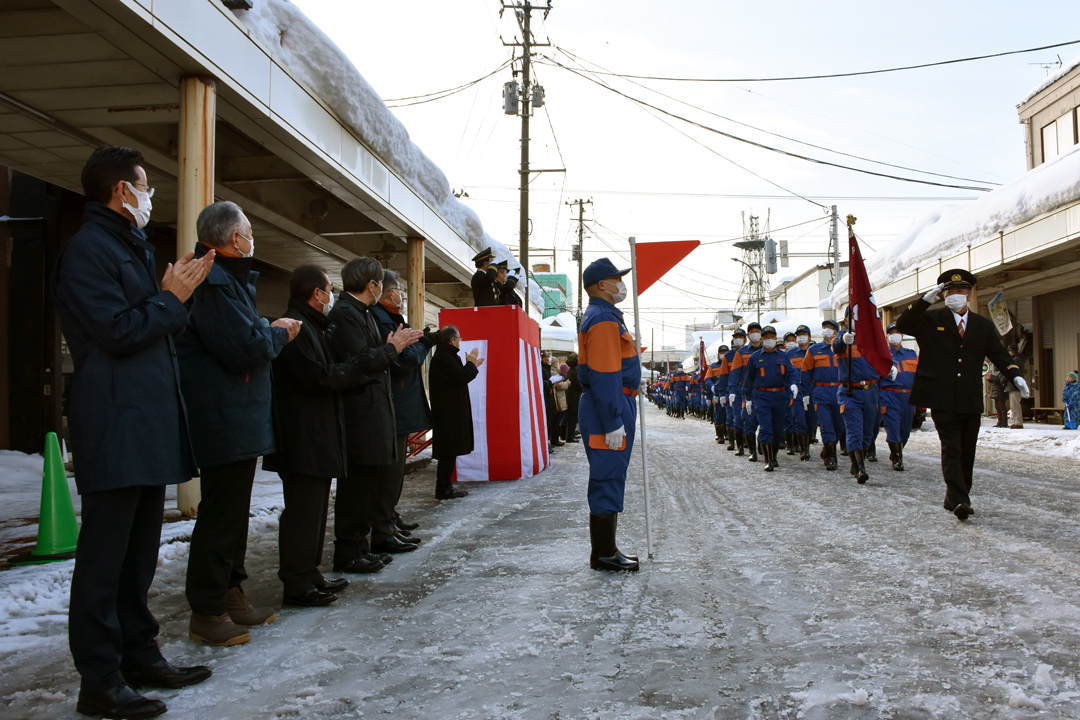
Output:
(58, 532)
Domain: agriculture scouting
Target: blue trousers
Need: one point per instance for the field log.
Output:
(747, 423)
(730, 412)
(798, 417)
(680, 399)
(607, 468)
(771, 410)
(830, 419)
(719, 414)
(898, 413)
(860, 410)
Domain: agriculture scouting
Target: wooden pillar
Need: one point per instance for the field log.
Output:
(195, 190)
(415, 279)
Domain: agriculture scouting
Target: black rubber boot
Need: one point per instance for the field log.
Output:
(751, 446)
(896, 456)
(854, 469)
(740, 443)
(791, 443)
(861, 476)
(605, 555)
(776, 454)
(768, 450)
(828, 454)
(843, 445)
(871, 453)
(730, 439)
(631, 558)
(804, 447)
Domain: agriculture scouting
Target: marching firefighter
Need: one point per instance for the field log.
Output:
(795, 425)
(610, 373)
(770, 385)
(895, 408)
(679, 382)
(731, 413)
(715, 379)
(858, 397)
(809, 414)
(746, 422)
(820, 380)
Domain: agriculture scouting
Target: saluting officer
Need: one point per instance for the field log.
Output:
(483, 280)
(858, 398)
(610, 373)
(770, 385)
(820, 379)
(731, 412)
(747, 422)
(895, 408)
(952, 343)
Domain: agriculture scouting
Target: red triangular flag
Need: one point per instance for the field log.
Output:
(703, 364)
(863, 309)
(654, 259)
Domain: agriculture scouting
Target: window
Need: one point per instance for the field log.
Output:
(1058, 136)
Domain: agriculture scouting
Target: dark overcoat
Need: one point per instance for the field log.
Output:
(507, 294)
(308, 408)
(225, 355)
(370, 427)
(410, 400)
(126, 414)
(949, 376)
(483, 287)
(451, 409)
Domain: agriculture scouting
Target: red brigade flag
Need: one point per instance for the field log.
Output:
(703, 364)
(869, 335)
(654, 259)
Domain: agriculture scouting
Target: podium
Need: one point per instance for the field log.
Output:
(509, 418)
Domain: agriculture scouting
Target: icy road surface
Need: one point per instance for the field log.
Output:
(794, 594)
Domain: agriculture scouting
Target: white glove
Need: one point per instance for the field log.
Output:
(794, 391)
(806, 403)
(723, 401)
(731, 398)
(749, 405)
(614, 439)
(932, 296)
(849, 338)
(1021, 384)
(893, 372)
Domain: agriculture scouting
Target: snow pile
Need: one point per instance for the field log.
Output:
(950, 229)
(1051, 79)
(316, 61)
(33, 599)
(559, 327)
(1039, 440)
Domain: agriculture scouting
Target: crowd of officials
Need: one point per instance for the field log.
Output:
(183, 378)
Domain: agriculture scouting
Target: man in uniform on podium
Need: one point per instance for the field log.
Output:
(483, 280)
(952, 343)
(609, 371)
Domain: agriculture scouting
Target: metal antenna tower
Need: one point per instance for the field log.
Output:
(755, 283)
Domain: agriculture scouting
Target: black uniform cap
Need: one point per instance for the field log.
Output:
(483, 255)
(956, 278)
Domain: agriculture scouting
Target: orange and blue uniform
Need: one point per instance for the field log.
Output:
(895, 408)
(767, 379)
(723, 386)
(679, 382)
(796, 421)
(610, 373)
(745, 423)
(715, 386)
(820, 380)
(859, 406)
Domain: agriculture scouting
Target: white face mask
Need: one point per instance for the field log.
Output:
(327, 306)
(828, 333)
(738, 342)
(251, 241)
(754, 337)
(895, 338)
(621, 294)
(770, 343)
(790, 344)
(956, 303)
(141, 213)
(804, 339)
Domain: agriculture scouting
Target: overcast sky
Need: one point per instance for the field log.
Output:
(658, 182)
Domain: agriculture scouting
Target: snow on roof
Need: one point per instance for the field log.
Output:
(315, 60)
(1051, 79)
(949, 229)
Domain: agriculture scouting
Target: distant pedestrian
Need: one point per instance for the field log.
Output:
(1000, 396)
(573, 399)
(1016, 407)
(451, 408)
(1071, 397)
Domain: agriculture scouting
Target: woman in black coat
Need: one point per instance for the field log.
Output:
(451, 409)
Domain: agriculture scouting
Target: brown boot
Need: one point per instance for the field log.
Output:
(243, 613)
(219, 631)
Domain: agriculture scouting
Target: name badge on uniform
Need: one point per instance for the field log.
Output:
(941, 328)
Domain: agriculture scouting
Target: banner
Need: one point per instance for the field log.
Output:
(999, 313)
(869, 334)
(703, 364)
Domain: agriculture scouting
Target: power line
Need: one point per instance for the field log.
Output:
(842, 75)
(757, 144)
(431, 97)
(737, 196)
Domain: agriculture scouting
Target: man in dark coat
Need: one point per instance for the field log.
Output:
(310, 439)
(410, 401)
(225, 356)
(127, 427)
(952, 344)
(483, 280)
(547, 371)
(370, 426)
(573, 397)
(506, 284)
(451, 408)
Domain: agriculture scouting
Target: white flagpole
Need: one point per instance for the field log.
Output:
(641, 402)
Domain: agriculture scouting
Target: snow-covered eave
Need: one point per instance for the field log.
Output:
(1050, 80)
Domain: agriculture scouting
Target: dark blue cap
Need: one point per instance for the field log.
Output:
(789, 335)
(599, 270)
(768, 329)
(722, 349)
(803, 329)
(835, 325)
(892, 326)
(753, 325)
(739, 333)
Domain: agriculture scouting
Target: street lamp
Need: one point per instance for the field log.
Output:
(757, 279)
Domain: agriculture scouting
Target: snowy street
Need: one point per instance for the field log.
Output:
(794, 594)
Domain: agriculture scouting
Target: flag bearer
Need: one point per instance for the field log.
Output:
(770, 385)
(858, 397)
(731, 413)
(895, 393)
(609, 371)
(819, 382)
(747, 422)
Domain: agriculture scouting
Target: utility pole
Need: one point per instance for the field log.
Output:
(579, 254)
(523, 13)
(834, 248)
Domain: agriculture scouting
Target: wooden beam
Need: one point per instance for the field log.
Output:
(415, 279)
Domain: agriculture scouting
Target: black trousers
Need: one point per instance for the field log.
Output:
(219, 540)
(402, 449)
(959, 434)
(301, 531)
(110, 626)
(571, 417)
(444, 473)
(365, 504)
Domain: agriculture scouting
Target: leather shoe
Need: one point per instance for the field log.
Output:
(365, 564)
(117, 702)
(384, 558)
(312, 598)
(402, 525)
(163, 674)
(962, 511)
(392, 545)
(332, 586)
(451, 495)
(951, 508)
(408, 539)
